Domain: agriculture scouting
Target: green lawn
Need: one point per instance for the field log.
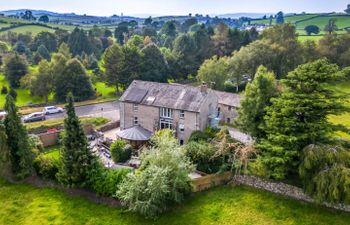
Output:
(24, 97)
(24, 204)
(344, 119)
(47, 124)
(53, 151)
(105, 90)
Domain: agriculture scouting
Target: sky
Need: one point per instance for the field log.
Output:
(176, 7)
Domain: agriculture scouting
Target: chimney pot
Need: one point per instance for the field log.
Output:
(204, 88)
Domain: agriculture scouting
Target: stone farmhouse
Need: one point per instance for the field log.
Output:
(146, 107)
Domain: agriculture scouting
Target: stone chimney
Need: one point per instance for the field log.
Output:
(204, 88)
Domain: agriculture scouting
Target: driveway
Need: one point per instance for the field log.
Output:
(107, 109)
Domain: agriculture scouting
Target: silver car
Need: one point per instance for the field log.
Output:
(52, 110)
(34, 117)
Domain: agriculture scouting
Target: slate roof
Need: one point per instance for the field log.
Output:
(229, 99)
(174, 96)
(135, 133)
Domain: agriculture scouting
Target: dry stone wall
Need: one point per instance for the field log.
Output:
(283, 189)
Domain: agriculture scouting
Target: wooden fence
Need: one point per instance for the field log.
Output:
(209, 181)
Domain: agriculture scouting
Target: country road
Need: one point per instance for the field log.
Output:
(107, 109)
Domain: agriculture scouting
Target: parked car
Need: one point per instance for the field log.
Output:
(38, 116)
(52, 110)
(2, 115)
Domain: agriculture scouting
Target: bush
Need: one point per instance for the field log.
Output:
(105, 181)
(46, 166)
(206, 135)
(162, 179)
(4, 90)
(325, 171)
(203, 155)
(121, 151)
(36, 143)
(13, 93)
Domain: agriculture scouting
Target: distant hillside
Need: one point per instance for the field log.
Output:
(250, 15)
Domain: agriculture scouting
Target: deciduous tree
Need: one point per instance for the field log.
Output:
(41, 83)
(257, 97)
(15, 68)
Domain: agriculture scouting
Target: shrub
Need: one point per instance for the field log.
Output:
(199, 136)
(46, 166)
(4, 90)
(105, 181)
(36, 143)
(121, 151)
(325, 171)
(203, 155)
(13, 93)
(162, 179)
(206, 135)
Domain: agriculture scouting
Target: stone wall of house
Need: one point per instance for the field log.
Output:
(210, 103)
(148, 117)
(227, 112)
(283, 189)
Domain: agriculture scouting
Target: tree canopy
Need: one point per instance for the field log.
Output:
(299, 117)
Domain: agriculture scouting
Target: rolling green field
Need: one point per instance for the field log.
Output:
(24, 204)
(32, 29)
(342, 22)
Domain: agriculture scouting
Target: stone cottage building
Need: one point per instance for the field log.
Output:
(146, 107)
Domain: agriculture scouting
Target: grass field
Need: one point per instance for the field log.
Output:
(19, 21)
(342, 22)
(24, 97)
(24, 204)
(32, 29)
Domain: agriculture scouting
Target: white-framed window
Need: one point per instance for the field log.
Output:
(166, 124)
(182, 114)
(136, 120)
(136, 107)
(181, 127)
(166, 113)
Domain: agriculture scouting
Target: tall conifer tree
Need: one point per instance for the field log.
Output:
(17, 141)
(76, 156)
